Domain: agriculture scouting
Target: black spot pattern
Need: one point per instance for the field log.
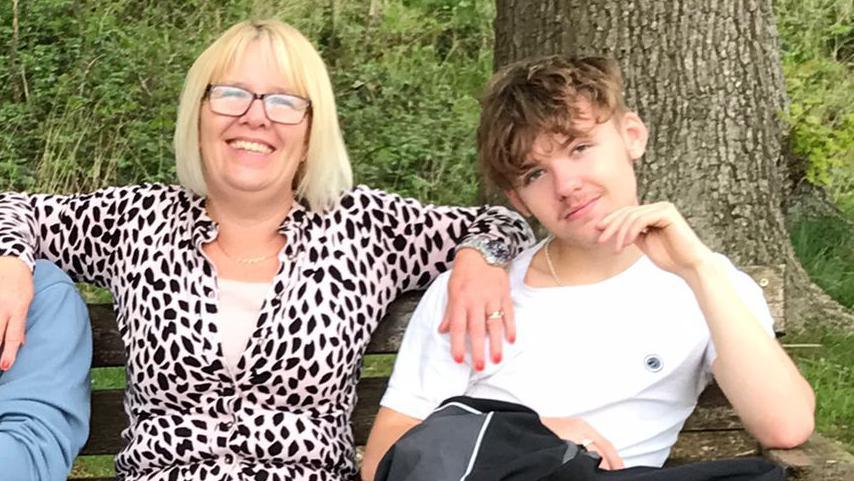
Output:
(284, 414)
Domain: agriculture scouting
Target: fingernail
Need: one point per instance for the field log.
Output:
(512, 339)
(496, 359)
(478, 366)
(5, 365)
(458, 359)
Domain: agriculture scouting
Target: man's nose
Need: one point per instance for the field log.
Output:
(566, 180)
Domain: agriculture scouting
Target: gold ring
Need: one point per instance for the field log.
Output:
(495, 315)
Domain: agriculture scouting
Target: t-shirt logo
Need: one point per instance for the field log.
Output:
(652, 362)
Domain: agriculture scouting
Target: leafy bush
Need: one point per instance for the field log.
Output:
(817, 43)
(93, 87)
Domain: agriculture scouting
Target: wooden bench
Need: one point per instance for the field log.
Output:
(712, 432)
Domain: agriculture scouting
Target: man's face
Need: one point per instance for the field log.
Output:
(571, 184)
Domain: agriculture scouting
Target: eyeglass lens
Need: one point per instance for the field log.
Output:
(235, 101)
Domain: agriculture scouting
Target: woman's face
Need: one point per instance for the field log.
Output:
(250, 153)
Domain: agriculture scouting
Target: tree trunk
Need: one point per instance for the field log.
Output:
(706, 78)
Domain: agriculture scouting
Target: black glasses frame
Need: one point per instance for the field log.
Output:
(261, 97)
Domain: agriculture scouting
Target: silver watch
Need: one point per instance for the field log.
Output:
(494, 252)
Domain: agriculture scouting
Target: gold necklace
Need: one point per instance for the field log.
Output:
(549, 262)
(244, 260)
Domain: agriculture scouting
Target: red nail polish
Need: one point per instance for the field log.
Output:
(496, 359)
(5, 366)
(479, 366)
(458, 359)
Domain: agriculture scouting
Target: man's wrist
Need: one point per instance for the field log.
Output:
(708, 269)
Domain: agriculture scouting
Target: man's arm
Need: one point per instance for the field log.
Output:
(425, 374)
(766, 389)
(769, 394)
(44, 397)
(388, 427)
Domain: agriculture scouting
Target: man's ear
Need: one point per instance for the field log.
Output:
(517, 202)
(635, 134)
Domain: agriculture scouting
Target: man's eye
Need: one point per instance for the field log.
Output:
(532, 175)
(580, 148)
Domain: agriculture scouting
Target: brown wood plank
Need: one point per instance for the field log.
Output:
(819, 459)
(108, 350)
(713, 413)
(108, 416)
(709, 445)
(386, 339)
(106, 424)
(772, 281)
(371, 390)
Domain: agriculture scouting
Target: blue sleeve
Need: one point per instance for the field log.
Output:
(44, 397)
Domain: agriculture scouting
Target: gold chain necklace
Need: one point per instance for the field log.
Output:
(549, 262)
(245, 260)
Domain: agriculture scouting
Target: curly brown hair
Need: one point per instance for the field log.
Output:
(541, 95)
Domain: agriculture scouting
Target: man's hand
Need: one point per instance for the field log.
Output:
(661, 232)
(580, 432)
(16, 294)
(478, 305)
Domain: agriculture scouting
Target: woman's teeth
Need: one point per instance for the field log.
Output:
(250, 146)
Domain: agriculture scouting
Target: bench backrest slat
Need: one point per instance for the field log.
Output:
(108, 418)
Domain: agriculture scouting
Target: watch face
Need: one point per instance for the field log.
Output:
(498, 250)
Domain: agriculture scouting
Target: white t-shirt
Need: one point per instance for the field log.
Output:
(630, 355)
(237, 316)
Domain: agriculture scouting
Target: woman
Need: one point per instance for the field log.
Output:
(246, 298)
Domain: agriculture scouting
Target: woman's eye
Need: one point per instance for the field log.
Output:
(231, 93)
(282, 101)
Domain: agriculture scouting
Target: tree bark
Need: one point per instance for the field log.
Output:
(706, 78)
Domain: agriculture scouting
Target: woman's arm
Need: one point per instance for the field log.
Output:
(421, 242)
(78, 233)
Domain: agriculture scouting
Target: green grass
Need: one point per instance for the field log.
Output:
(830, 370)
(825, 247)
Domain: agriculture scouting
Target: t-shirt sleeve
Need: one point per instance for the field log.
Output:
(751, 294)
(425, 373)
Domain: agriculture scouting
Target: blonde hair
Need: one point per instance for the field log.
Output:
(326, 171)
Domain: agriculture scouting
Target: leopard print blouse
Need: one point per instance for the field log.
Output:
(284, 413)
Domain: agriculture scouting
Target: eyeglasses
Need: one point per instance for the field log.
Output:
(235, 102)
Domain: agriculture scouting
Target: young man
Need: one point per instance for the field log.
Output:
(44, 396)
(623, 315)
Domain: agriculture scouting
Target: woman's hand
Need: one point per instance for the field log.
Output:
(478, 305)
(580, 432)
(15, 297)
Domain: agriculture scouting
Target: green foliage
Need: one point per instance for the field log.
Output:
(829, 370)
(90, 96)
(825, 247)
(817, 42)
